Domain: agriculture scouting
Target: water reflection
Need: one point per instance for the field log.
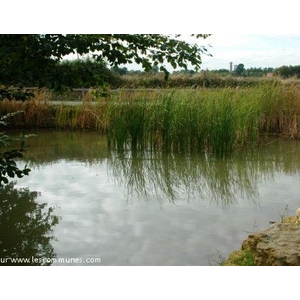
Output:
(76, 172)
(171, 176)
(50, 146)
(25, 228)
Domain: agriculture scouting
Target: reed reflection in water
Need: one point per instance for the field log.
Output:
(168, 176)
(154, 174)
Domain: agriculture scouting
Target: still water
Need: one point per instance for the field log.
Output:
(151, 208)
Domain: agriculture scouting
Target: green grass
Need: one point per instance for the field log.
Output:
(242, 257)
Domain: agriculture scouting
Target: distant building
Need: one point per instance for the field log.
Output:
(230, 66)
(270, 74)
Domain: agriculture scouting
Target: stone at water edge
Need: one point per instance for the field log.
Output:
(278, 245)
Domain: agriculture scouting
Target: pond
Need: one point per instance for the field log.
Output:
(149, 208)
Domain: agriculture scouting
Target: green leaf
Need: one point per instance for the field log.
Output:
(10, 173)
(3, 179)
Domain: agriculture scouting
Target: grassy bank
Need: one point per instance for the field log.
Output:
(213, 120)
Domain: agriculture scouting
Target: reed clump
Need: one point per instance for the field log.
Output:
(217, 121)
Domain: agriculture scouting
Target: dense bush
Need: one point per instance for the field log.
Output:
(82, 73)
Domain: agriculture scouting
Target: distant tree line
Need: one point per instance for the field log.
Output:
(288, 71)
(238, 71)
(88, 73)
(284, 71)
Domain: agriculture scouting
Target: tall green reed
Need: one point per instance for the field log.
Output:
(216, 121)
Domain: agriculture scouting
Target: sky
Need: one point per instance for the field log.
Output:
(252, 50)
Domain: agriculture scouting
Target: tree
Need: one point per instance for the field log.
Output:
(31, 59)
(239, 69)
(120, 71)
(83, 73)
(257, 72)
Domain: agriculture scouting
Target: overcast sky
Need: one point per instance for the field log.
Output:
(253, 50)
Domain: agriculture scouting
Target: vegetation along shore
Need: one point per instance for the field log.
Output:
(214, 120)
